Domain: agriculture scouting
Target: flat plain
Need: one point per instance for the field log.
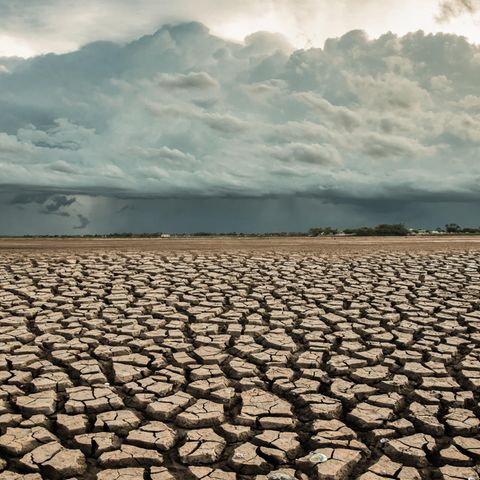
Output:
(318, 245)
(224, 358)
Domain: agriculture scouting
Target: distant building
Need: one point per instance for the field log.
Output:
(165, 235)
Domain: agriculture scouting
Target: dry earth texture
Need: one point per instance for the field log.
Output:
(230, 364)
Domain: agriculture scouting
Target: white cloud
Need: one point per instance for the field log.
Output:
(171, 158)
(225, 123)
(339, 115)
(315, 153)
(464, 126)
(31, 27)
(11, 146)
(383, 145)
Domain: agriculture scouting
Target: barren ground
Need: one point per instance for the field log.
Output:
(240, 359)
(319, 245)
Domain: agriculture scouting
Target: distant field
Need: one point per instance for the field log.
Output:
(330, 245)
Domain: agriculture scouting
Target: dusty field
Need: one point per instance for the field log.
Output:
(328, 246)
(237, 365)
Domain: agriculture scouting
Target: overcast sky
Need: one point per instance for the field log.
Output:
(248, 116)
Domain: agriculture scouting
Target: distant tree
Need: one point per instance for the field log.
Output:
(385, 229)
(398, 229)
(471, 230)
(453, 228)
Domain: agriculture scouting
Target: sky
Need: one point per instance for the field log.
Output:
(251, 116)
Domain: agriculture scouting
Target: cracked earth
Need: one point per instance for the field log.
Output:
(278, 366)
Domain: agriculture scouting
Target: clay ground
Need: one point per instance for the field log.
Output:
(222, 359)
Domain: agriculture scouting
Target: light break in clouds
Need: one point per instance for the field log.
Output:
(30, 27)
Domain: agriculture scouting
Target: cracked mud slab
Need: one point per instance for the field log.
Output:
(223, 366)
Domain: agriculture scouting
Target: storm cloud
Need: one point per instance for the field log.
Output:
(83, 222)
(50, 204)
(184, 113)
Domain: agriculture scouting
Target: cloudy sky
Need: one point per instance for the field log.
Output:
(237, 116)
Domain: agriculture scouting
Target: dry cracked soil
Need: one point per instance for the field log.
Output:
(239, 365)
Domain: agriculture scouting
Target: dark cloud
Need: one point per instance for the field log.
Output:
(83, 222)
(25, 198)
(56, 203)
(51, 204)
(125, 208)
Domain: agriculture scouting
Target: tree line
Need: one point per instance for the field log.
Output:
(391, 229)
(384, 229)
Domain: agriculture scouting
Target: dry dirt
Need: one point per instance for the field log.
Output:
(249, 359)
(319, 245)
